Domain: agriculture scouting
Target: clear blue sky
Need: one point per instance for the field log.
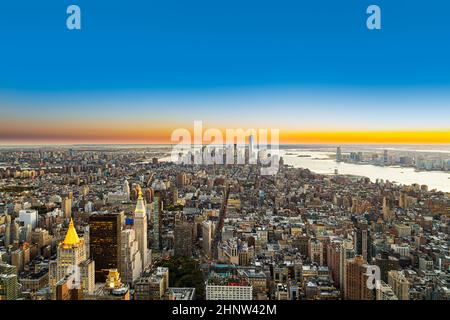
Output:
(200, 44)
(252, 48)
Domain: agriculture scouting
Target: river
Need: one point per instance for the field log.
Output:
(319, 162)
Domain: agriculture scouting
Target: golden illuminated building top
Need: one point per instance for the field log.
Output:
(113, 281)
(140, 205)
(71, 238)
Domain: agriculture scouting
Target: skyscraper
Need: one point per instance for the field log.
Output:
(156, 208)
(181, 179)
(363, 241)
(338, 154)
(315, 251)
(251, 150)
(140, 227)
(29, 217)
(388, 209)
(66, 206)
(386, 264)
(130, 258)
(356, 287)
(183, 239)
(207, 236)
(104, 240)
(7, 234)
(346, 252)
(126, 189)
(71, 258)
(333, 261)
(8, 287)
(70, 253)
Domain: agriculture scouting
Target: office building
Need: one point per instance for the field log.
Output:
(207, 230)
(182, 239)
(29, 217)
(363, 241)
(356, 287)
(71, 260)
(104, 243)
(130, 257)
(231, 288)
(140, 228)
(156, 212)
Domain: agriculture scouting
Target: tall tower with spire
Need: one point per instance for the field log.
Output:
(71, 259)
(140, 227)
(71, 251)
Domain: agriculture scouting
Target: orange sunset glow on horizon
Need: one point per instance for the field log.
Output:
(161, 134)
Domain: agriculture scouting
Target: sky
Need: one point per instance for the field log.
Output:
(139, 69)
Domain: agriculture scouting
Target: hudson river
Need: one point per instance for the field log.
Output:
(319, 162)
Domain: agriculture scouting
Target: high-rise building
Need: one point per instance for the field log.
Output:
(130, 258)
(338, 154)
(8, 287)
(385, 158)
(17, 259)
(363, 241)
(156, 211)
(87, 276)
(7, 268)
(181, 180)
(207, 227)
(126, 189)
(244, 255)
(66, 206)
(41, 238)
(251, 150)
(104, 243)
(356, 287)
(140, 227)
(71, 259)
(174, 196)
(71, 251)
(183, 239)
(15, 231)
(386, 263)
(388, 209)
(315, 251)
(346, 252)
(29, 217)
(7, 234)
(333, 261)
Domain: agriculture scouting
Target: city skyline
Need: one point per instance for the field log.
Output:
(125, 224)
(307, 116)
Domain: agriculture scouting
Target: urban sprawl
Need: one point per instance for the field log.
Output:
(99, 223)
